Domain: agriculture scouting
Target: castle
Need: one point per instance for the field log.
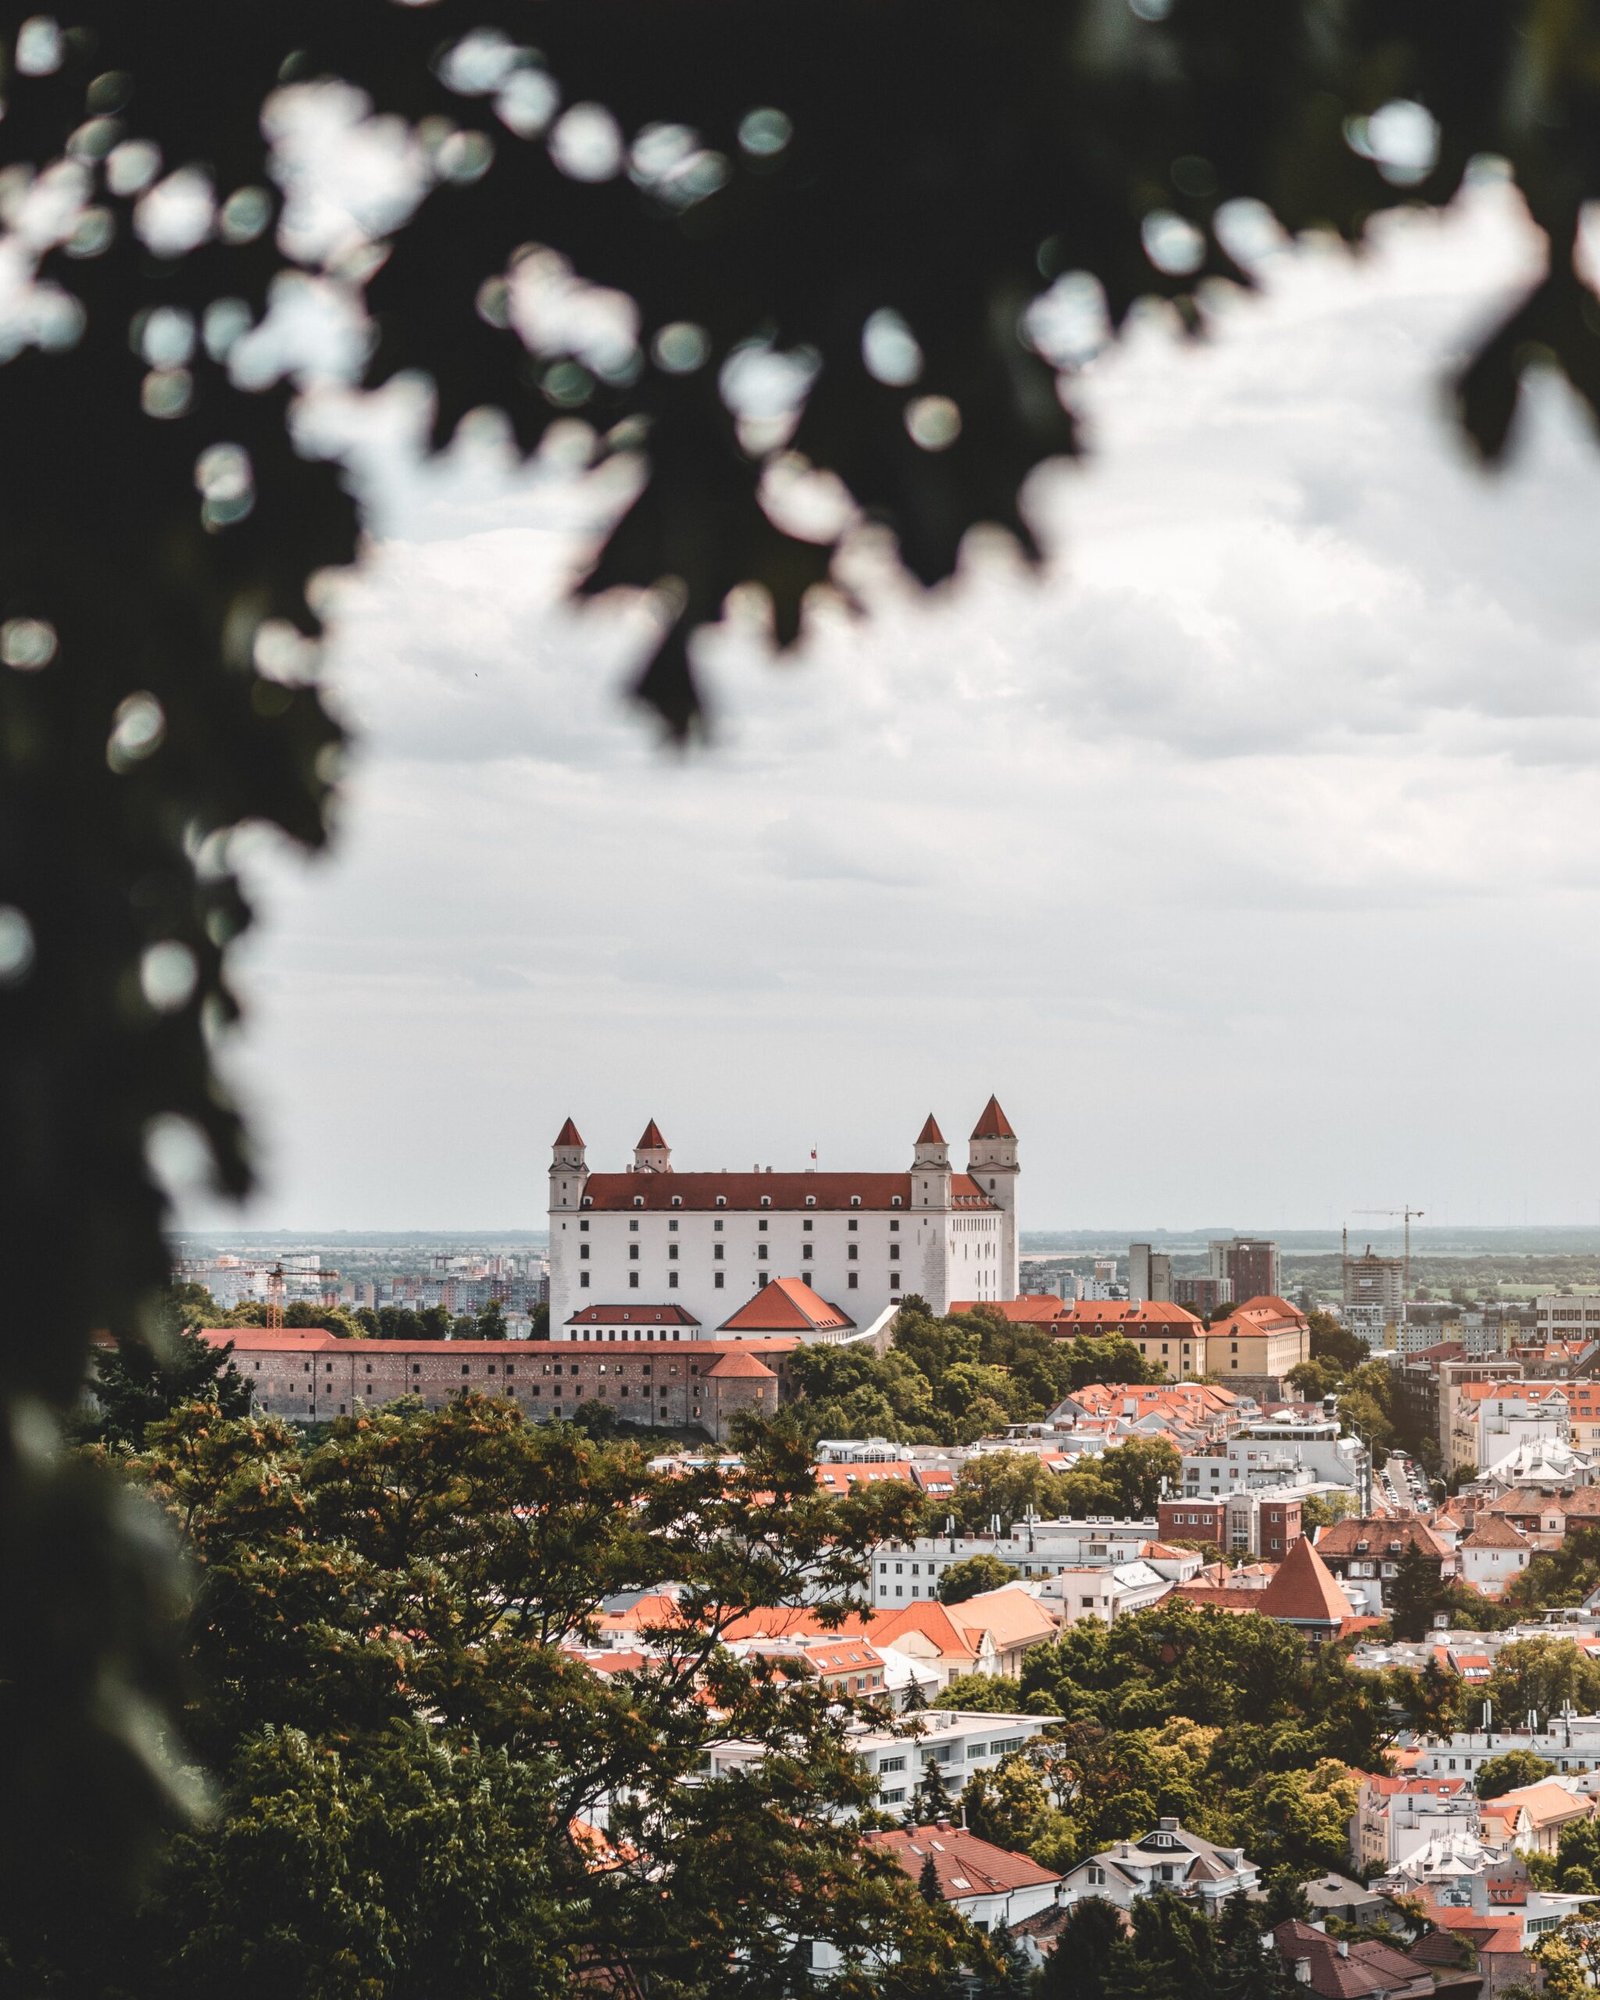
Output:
(729, 1256)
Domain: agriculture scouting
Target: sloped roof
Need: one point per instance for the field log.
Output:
(930, 1135)
(932, 1620)
(1545, 1802)
(1009, 1615)
(650, 1136)
(786, 1305)
(993, 1123)
(1031, 1309)
(737, 1191)
(1122, 1312)
(569, 1135)
(1305, 1591)
(741, 1365)
(277, 1339)
(1492, 1531)
(965, 1865)
(796, 1621)
(631, 1316)
(1379, 1531)
(1349, 1973)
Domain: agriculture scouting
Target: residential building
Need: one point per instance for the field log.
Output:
(1149, 1273)
(956, 1741)
(1395, 1816)
(1288, 1451)
(1107, 1593)
(1240, 1522)
(990, 1886)
(1492, 1420)
(1167, 1336)
(1248, 1265)
(1370, 1549)
(1346, 1969)
(1567, 1315)
(1200, 1292)
(1492, 1554)
(1532, 1818)
(1167, 1859)
(1258, 1343)
(709, 1241)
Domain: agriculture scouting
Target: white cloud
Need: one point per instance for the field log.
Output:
(1251, 855)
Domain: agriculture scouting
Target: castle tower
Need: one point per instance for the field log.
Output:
(992, 1163)
(568, 1169)
(652, 1155)
(930, 1169)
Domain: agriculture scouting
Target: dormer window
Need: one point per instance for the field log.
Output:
(766, 1201)
(855, 1201)
(638, 1201)
(894, 1201)
(677, 1201)
(588, 1201)
(811, 1201)
(722, 1201)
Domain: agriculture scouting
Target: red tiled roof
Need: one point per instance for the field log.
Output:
(930, 1135)
(1305, 1591)
(742, 1365)
(276, 1339)
(1122, 1312)
(569, 1135)
(749, 1191)
(1492, 1531)
(650, 1136)
(631, 1316)
(1032, 1309)
(993, 1123)
(965, 1865)
(1378, 1532)
(786, 1305)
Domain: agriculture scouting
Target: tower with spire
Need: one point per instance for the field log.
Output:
(930, 1168)
(652, 1155)
(569, 1169)
(992, 1163)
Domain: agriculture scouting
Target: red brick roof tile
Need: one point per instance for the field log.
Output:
(993, 1123)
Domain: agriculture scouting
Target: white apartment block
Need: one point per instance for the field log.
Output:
(957, 1741)
(1286, 1452)
(707, 1243)
(904, 1572)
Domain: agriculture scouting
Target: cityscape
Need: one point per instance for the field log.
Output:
(799, 840)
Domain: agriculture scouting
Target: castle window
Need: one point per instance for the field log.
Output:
(588, 1201)
(762, 1250)
(853, 1225)
(894, 1226)
(633, 1252)
(722, 1201)
(582, 1226)
(855, 1201)
(672, 1249)
(854, 1280)
(583, 1249)
(638, 1201)
(719, 1251)
(854, 1250)
(718, 1279)
(811, 1202)
(894, 1281)
(766, 1201)
(894, 1201)
(583, 1280)
(633, 1281)
(672, 1280)
(677, 1201)
(717, 1226)
(806, 1225)
(808, 1251)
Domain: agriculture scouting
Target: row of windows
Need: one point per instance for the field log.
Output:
(719, 1281)
(808, 1252)
(806, 1225)
(722, 1201)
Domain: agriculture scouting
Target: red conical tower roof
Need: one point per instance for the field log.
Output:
(569, 1135)
(994, 1124)
(930, 1135)
(651, 1136)
(1305, 1591)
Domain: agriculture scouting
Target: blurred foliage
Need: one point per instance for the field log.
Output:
(751, 188)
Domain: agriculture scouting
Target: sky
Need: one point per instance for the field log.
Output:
(1251, 854)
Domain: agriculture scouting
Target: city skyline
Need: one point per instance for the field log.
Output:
(1307, 698)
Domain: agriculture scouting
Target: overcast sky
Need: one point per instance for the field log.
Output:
(1251, 856)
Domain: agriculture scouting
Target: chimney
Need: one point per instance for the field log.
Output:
(1344, 1947)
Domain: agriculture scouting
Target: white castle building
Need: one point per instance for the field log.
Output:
(817, 1254)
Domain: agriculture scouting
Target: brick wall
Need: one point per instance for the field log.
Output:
(655, 1382)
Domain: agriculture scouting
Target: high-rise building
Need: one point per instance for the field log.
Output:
(1149, 1273)
(1374, 1291)
(1250, 1264)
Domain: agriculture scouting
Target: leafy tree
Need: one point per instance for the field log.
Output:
(992, 1694)
(136, 1383)
(1086, 1963)
(1513, 1768)
(1578, 1859)
(1541, 1675)
(1332, 1341)
(972, 1576)
(1314, 1379)
(1416, 1594)
(1321, 1510)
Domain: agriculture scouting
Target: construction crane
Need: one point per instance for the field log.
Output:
(276, 1277)
(1408, 1213)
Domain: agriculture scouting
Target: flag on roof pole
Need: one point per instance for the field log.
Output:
(813, 1152)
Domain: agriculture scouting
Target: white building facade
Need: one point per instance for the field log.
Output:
(707, 1243)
